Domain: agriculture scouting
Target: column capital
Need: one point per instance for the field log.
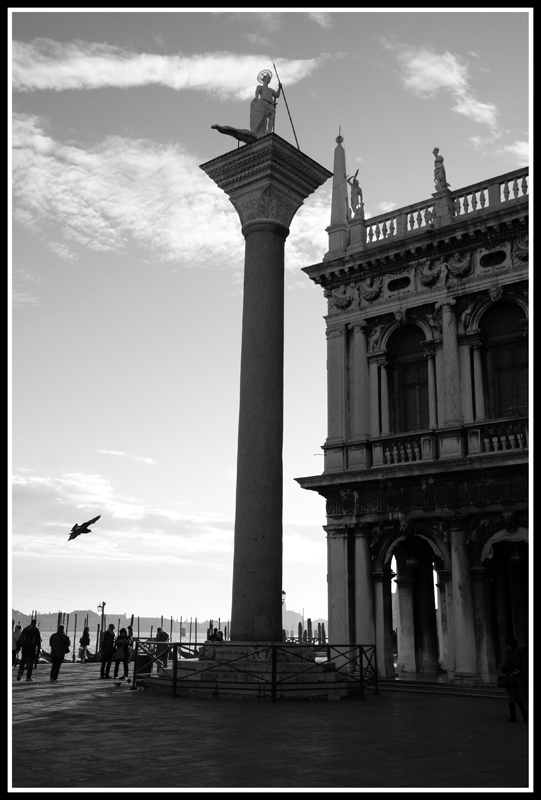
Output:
(358, 327)
(336, 531)
(446, 303)
(380, 359)
(267, 180)
(336, 330)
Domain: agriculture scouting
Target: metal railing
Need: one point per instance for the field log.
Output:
(354, 667)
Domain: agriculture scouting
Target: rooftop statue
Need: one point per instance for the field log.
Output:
(357, 205)
(262, 112)
(439, 172)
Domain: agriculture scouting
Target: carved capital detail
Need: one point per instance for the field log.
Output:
(265, 204)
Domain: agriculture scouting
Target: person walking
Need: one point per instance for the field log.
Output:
(514, 665)
(30, 642)
(122, 654)
(107, 650)
(84, 641)
(15, 646)
(161, 650)
(60, 645)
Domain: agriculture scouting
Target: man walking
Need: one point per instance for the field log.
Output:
(60, 645)
(30, 642)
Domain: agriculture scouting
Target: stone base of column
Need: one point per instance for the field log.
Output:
(465, 678)
(244, 670)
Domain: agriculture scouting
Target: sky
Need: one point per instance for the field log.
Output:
(127, 268)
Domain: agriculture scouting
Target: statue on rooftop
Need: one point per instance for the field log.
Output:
(439, 172)
(263, 106)
(357, 205)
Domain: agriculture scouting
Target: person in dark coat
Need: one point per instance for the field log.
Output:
(60, 645)
(107, 650)
(30, 642)
(84, 641)
(122, 654)
(15, 646)
(161, 650)
(515, 664)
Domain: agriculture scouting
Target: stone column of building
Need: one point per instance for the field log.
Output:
(464, 352)
(406, 625)
(484, 624)
(360, 423)
(440, 385)
(365, 624)
(266, 181)
(432, 406)
(504, 622)
(480, 412)
(385, 416)
(443, 623)
(426, 613)
(336, 383)
(337, 584)
(451, 370)
(384, 623)
(463, 607)
(446, 576)
(518, 575)
(374, 397)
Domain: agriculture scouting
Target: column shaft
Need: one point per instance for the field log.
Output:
(480, 413)
(466, 382)
(484, 625)
(463, 608)
(365, 626)
(453, 414)
(374, 400)
(361, 399)
(432, 408)
(336, 383)
(256, 613)
(384, 624)
(406, 626)
(385, 427)
(337, 587)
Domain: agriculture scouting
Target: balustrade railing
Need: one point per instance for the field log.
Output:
(512, 186)
(504, 436)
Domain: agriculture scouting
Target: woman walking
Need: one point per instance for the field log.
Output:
(84, 641)
(514, 666)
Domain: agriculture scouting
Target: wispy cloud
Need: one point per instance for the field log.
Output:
(425, 72)
(322, 19)
(386, 206)
(127, 455)
(124, 192)
(23, 289)
(46, 64)
(519, 152)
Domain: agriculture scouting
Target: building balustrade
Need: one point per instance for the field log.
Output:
(471, 200)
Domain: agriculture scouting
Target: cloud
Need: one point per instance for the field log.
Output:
(22, 292)
(123, 193)
(424, 73)
(519, 152)
(386, 206)
(322, 19)
(127, 455)
(46, 64)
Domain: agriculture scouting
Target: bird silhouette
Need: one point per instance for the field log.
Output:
(78, 529)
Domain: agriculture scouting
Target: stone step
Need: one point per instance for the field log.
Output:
(427, 687)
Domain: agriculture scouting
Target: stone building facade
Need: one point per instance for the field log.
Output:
(426, 457)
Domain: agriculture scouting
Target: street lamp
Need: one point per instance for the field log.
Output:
(102, 607)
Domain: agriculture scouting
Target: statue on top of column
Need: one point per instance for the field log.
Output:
(440, 178)
(263, 106)
(262, 112)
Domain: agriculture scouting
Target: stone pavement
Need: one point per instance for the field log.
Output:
(86, 733)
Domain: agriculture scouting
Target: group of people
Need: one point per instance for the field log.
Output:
(216, 636)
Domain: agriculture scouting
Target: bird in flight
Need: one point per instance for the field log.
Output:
(78, 529)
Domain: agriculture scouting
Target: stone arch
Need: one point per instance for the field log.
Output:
(394, 326)
(391, 539)
(492, 535)
(487, 303)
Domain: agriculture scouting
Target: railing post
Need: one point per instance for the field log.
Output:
(175, 670)
(273, 674)
(361, 672)
(134, 685)
(376, 690)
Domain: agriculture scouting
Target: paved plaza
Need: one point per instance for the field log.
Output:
(86, 733)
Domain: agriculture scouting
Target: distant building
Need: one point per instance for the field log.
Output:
(426, 458)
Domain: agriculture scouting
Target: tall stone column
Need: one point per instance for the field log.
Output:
(480, 412)
(427, 636)
(365, 627)
(451, 370)
(432, 407)
(385, 416)
(374, 398)
(406, 626)
(384, 623)
(336, 383)
(360, 427)
(484, 624)
(443, 623)
(463, 607)
(266, 181)
(337, 585)
(446, 576)
(464, 351)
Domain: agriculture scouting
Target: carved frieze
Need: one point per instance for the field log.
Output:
(371, 289)
(344, 297)
(520, 251)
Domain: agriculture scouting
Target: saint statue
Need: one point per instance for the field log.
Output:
(263, 106)
(439, 172)
(357, 205)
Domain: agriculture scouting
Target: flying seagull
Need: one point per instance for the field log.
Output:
(78, 529)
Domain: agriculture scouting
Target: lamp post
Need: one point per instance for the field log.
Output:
(102, 607)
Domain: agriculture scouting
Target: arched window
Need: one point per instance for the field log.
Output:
(506, 361)
(408, 385)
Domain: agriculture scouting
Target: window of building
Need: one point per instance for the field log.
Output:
(506, 361)
(408, 384)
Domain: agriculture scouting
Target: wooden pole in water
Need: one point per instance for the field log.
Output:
(161, 622)
(98, 640)
(58, 621)
(196, 630)
(180, 626)
(74, 638)
(171, 631)
(190, 639)
(67, 624)
(151, 629)
(137, 626)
